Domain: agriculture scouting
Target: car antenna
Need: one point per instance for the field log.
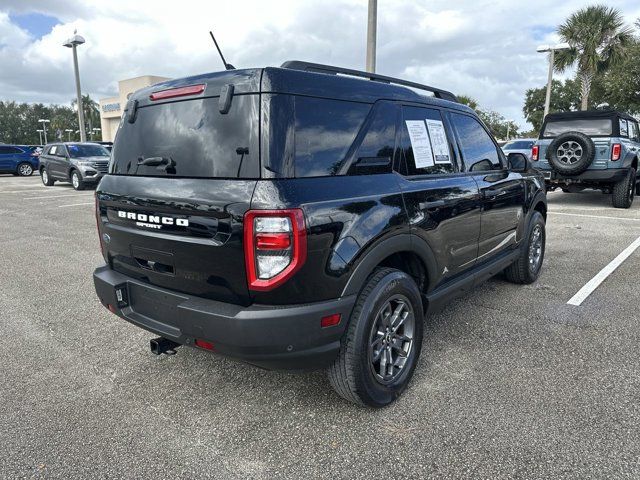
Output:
(227, 66)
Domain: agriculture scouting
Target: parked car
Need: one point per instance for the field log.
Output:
(519, 145)
(302, 217)
(81, 164)
(591, 149)
(107, 145)
(19, 160)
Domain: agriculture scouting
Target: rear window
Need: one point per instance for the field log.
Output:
(191, 139)
(588, 126)
(519, 145)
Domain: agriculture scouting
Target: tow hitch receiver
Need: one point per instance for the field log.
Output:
(162, 345)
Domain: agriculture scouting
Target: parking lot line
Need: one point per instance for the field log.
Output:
(59, 196)
(595, 282)
(75, 204)
(594, 216)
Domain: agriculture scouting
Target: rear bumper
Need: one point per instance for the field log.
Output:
(608, 175)
(272, 337)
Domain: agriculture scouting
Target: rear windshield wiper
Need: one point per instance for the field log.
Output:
(167, 164)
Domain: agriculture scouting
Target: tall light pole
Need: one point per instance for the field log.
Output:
(551, 49)
(372, 27)
(40, 133)
(72, 43)
(44, 128)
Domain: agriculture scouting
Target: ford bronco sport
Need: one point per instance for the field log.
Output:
(308, 217)
(590, 149)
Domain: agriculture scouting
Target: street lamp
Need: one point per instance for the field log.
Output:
(69, 131)
(72, 43)
(40, 133)
(372, 27)
(44, 128)
(551, 49)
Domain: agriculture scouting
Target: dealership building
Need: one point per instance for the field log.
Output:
(111, 109)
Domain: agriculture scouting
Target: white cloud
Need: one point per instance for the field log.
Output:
(485, 49)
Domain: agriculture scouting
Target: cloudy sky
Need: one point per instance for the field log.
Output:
(485, 49)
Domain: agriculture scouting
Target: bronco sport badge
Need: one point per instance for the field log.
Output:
(152, 221)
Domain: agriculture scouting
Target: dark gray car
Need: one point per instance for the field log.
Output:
(81, 164)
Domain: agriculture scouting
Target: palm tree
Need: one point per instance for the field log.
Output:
(468, 101)
(598, 39)
(91, 111)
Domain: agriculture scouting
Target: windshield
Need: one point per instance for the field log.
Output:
(78, 151)
(588, 126)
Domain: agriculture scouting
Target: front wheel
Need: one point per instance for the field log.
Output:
(46, 178)
(76, 180)
(25, 170)
(526, 268)
(624, 191)
(383, 341)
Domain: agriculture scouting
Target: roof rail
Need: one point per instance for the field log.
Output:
(329, 69)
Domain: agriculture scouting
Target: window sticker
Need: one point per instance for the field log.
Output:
(422, 153)
(438, 141)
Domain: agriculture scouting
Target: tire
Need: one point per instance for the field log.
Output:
(76, 180)
(46, 178)
(624, 191)
(526, 269)
(24, 169)
(355, 374)
(571, 153)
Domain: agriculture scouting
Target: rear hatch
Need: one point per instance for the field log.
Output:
(183, 170)
(598, 129)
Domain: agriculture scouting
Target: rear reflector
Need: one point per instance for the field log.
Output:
(178, 92)
(204, 344)
(616, 149)
(330, 320)
(111, 308)
(535, 152)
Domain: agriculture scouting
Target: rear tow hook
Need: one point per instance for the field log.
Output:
(162, 345)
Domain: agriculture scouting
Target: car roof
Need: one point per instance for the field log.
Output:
(588, 114)
(297, 82)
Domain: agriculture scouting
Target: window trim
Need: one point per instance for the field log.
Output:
(501, 156)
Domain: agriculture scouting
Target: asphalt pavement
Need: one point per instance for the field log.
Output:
(512, 382)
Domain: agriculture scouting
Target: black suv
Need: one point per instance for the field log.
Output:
(302, 217)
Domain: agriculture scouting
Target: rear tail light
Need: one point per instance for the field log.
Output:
(616, 149)
(535, 152)
(177, 92)
(275, 246)
(204, 344)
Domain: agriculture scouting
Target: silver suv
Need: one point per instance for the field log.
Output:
(591, 149)
(79, 163)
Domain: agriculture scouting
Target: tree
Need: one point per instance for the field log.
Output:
(598, 39)
(468, 101)
(565, 97)
(91, 112)
(499, 126)
(622, 82)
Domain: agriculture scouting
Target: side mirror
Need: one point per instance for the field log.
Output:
(518, 162)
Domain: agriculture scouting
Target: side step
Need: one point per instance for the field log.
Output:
(162, 345)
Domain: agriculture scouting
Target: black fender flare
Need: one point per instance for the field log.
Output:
(403, 242)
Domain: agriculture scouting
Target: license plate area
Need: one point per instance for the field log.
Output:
(154, 304)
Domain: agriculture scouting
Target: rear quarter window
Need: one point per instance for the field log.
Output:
(324, 131)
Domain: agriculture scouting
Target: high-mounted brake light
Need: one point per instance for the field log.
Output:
(178, 92)
(616, 150)
(275, 246)
(535, 152)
